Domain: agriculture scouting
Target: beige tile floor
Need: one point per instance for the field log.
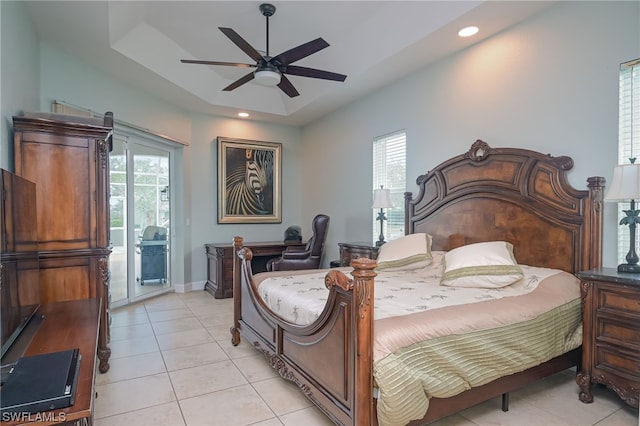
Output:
(172, 363)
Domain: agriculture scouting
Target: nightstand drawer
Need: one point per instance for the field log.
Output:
(620, 301)
(625, 365)
(619, 333)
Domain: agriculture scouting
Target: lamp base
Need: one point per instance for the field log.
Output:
(629, 269)
(380, 243)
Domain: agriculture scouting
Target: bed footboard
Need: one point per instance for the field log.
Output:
(331, 359)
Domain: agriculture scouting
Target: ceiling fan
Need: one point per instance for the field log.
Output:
(270, 71)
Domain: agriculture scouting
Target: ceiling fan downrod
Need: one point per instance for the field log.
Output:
(267, 10)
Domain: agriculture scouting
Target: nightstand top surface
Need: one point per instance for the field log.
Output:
(362, 244)
(610, 275)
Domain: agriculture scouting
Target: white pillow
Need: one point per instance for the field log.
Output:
(405, 253)
(484, 265)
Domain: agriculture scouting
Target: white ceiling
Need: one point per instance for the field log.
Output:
(373, 42)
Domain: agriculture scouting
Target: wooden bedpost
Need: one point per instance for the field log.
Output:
(237, 291)
(363, 275)
(596, 189)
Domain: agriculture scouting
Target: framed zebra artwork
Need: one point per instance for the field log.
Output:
(249, 175)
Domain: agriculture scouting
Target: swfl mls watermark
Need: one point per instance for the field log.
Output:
(25, 416)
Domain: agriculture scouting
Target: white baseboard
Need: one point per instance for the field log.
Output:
(187, 287)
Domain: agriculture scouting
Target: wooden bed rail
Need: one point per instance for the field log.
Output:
(344, 392)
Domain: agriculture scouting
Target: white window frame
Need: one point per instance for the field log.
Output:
(628, 135)
(390, 171)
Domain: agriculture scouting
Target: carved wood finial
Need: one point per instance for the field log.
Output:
(338, 279)
(364, 264)
(479, 151)
(563, 162)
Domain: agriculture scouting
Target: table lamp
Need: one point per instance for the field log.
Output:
(626, 187)
(381, 200)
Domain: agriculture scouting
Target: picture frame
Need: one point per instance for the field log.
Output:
(249, 181)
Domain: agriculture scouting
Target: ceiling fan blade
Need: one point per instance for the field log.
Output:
(239, 82)
(300, 52)
(229, 64)
(313, 73)
(286, 86)
(241, 43)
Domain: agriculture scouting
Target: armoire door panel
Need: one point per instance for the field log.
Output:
(67, 197)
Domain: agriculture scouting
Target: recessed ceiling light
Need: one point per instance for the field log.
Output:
(243, 114)
(468, 31)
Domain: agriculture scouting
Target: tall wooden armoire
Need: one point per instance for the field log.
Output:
(68, 159)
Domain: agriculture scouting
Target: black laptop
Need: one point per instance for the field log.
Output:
(41, 382)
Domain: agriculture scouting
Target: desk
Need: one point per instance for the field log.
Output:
(220, 263)
(68, 325)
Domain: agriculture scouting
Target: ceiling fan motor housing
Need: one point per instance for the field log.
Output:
(267, 9)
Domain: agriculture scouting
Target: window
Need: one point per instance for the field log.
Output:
(389, 170)
(628, 134)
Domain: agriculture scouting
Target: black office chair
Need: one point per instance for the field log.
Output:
(308, 257)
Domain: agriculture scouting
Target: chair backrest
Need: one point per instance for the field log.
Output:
(320, 227)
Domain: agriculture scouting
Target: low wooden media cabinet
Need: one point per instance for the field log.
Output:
(66, 325)
(220, 263)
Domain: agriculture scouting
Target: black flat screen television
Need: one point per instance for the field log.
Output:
(19, 271)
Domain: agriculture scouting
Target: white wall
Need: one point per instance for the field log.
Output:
(549, 84)
(19, 75)
(64, 78)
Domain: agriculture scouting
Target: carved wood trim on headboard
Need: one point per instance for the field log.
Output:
(515, 195)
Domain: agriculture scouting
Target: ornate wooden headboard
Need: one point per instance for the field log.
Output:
(513, 195)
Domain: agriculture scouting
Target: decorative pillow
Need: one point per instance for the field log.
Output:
(484, 265)
(405, 253)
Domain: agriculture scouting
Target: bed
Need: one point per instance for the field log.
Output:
(518, 197)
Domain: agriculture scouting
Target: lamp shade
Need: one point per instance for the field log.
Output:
(382, 199)
(625, 185)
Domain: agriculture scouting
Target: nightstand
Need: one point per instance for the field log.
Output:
(611, 333)
(350, 251)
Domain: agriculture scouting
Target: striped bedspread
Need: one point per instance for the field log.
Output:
(437, 341)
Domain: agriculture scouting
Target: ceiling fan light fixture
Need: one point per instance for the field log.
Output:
(267, 77)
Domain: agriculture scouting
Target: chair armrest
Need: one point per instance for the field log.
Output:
(294, 254)
(295, 248)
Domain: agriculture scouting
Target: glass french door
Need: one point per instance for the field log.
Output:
(140, 203)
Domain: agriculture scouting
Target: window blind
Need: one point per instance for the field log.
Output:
(389, 170)
(628, 135)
